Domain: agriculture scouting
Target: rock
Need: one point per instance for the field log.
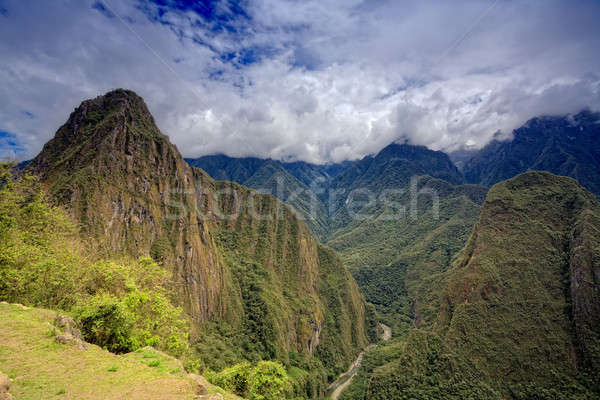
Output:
(200, 384)
(65, 338)
(3, 302)
(68, 324)
(81, 345)
(76, 333)
(4, 386)
(63, 321)
(4, 383)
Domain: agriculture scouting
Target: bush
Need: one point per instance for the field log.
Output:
(234, 379)
(120, 305)
(267, 380)
(105, 321)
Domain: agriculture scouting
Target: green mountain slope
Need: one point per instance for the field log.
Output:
(293, 183)
(567, 146)
(378, 213)
(250, 278)
(520, 313)
(42, 368)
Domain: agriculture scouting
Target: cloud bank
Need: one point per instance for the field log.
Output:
(313, 80)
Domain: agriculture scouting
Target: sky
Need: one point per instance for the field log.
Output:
(313, 80)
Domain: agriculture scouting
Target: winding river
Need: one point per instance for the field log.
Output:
(345, 379)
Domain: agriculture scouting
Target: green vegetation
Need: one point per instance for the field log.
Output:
(394, 257)
(398, 262)
(121, 305)
(266, 380)
(41, 368)
(512, 321)
(250, 287)
(327, 321)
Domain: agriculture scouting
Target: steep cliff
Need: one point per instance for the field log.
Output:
(237, 256)
(530, 272)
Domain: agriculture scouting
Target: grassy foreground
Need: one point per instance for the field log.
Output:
(41, 368)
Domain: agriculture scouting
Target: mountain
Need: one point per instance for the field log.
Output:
(520, 311)
(247, 271)
(367, 214)
(294, 183)
(567, 146)
(419, 216)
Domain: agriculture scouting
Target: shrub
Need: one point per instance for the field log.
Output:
(267, 380)
(120, 305)
(105, 321)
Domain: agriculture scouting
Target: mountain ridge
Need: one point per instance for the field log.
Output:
(564, 145)
(133, 194)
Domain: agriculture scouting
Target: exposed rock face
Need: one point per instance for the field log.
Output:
(123, 179)
(135, 195)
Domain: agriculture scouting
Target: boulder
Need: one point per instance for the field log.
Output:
(4, 386)
(68, 324)
(67, 338)
(63, 321)
(200, 384)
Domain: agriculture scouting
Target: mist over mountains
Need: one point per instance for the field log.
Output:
(475, 291)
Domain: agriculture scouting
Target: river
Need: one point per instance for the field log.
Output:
(345, 379)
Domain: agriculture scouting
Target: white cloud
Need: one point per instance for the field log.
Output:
(334, 79)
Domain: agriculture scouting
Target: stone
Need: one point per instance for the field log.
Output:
(216, 396)
(4, 383)
(64, 321)
(65, 338)
(200, 384)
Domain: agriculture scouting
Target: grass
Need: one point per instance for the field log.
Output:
(41, 368)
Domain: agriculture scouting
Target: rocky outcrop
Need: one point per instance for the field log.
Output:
(134, 195)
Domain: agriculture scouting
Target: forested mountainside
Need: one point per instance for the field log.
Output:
(511, 316)
(520, 310)
(297, 183)
(568, 146)
(253, 282)
(393, 245)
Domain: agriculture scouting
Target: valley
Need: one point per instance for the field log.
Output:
(345, 379)
(394, 276)
(299, 200)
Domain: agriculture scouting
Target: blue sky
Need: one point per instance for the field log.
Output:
(316, 80)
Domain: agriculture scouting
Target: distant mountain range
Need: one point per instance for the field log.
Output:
(365, 211)
(568, 146)
(407, 267)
